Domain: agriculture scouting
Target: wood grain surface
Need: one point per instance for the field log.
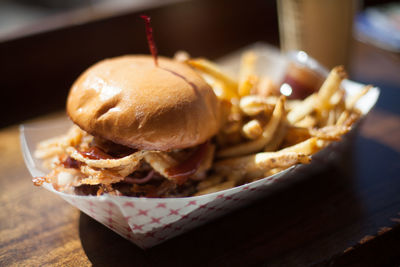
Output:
(36, 228)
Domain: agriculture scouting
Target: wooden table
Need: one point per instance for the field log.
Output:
(347, 214)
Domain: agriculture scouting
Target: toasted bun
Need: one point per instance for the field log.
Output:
(130, 101)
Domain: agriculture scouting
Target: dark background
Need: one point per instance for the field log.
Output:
(36, 71)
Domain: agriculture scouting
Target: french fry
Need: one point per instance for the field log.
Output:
(257, 145)
(265, 87)
(212, 69)
(307, 147)
(296, 135)
(353, 116)
(302, 109)
(253, 105)
(247, 79)
(343, 117)
(233, 121)
(292, 103)
(307, 122)
(278, 137)
(322, 117)
(332, 132)
(246, 86)
(233, 125)
(338, 110)
(321, 143)
(242, 149)
(337, 98)
(347, 117)
(252, 129)
(330, 86)
(331, 117)
(256, 165)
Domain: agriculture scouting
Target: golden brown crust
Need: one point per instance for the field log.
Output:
(131, 102)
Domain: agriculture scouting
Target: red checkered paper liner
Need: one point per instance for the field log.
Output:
(150, 221)
(147, 222)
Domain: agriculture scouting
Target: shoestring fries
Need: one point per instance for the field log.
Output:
(252, 129)
(253, 105)
(350, 114)
(247, 78)
(262, 132)
(229, 85)
(329, 88)
(246, 148)
(257, 164)
(302, 109)
(278, 137)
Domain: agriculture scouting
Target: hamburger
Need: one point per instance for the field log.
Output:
(140, 129)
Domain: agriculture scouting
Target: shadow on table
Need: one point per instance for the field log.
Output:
(305, 222)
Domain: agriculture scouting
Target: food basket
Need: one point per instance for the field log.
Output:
(150, 221)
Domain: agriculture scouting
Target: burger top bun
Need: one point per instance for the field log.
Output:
(130, 101)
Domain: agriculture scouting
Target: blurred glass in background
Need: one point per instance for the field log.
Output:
(325, 28)
(321, 28)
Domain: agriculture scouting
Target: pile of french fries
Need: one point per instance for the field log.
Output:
(262, 132)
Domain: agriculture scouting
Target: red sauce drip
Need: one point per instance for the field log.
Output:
(95, 153)
(38, 181)
(181, 172)
(71, 163)
(150, 38)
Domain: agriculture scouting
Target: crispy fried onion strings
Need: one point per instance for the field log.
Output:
(123, 166)
(99, 176)
(55, 146)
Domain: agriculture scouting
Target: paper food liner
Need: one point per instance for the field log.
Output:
(150, 221)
